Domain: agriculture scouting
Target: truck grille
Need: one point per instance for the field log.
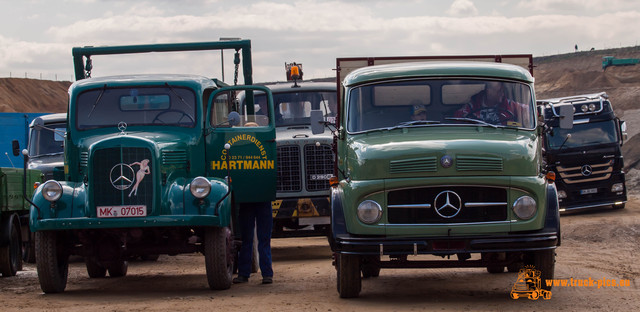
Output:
(473, 163)
(289, 171)
(586, 173)
(114, 177)
(318, 166)
(468, 204)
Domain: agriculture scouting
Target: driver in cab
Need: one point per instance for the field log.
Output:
(492, 106)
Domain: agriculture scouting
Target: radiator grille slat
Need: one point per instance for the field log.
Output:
(476, 163)
(289, 170)
(428, 164)
(318, 166)
(110, 164)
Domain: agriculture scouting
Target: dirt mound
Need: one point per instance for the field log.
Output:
(18, 95)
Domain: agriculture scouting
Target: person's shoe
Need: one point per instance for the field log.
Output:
(267, 280)
(240, 279)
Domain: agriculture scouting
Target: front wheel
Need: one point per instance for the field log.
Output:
(349, 281)
(94, 269)
(53, 261)
(544, 261)
(118, 268)
(11, 254)
(219, 255)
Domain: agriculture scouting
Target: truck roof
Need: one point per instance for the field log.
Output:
(438, 69)
(302, 86)
(51, 118)
(143, 79)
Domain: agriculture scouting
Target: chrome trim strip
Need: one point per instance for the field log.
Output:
(473, 205)
(594, 206)
(418, 206)
(447, 224)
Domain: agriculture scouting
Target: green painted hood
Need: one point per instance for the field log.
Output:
(418, 152)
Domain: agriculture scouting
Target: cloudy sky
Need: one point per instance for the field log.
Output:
(36, 36)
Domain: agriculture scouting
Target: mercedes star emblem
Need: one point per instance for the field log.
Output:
(447, 204)
(122, 126)
(446, 161)
(586, 170)
(122, 176)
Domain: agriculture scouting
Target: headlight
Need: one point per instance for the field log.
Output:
(200, 187)
(525, 207)
(51, 190)
(562, 194)
(618, 187)
(369, 212)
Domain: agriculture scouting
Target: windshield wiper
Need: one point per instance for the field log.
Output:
(97, 100)
(476, 121)
(415, 122)
(178, 95)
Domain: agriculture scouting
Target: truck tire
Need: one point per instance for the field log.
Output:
(29, 250)
(118, 268)
(53, 262)
(370, 266)
(544, 261)
(218, 257)
(11, 254)
(349, 282)
(95, 269)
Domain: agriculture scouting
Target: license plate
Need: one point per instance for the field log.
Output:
(122, 211)
(589, 191)
(318, 177)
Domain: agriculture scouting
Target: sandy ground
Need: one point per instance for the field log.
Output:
(600, 244)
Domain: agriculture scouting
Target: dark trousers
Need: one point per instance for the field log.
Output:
(256, 215)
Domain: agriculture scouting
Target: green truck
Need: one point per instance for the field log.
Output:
(460, 186)
(154, 164)
(14, 212)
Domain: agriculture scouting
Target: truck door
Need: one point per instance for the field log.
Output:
(240, 142)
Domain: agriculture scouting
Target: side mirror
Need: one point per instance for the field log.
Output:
(234, 119)
(623, 131)
(317, 122)
(15, 146)
(566, 116)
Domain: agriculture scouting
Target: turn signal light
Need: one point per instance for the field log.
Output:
(333, 181)
(551, 176)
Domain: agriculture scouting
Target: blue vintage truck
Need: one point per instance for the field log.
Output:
(154, 164)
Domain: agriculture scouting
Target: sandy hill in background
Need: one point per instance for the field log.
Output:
(556, 76)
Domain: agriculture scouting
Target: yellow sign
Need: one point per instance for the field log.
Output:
(529, 284)
(275, 206)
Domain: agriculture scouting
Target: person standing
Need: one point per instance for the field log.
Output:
(258, 216)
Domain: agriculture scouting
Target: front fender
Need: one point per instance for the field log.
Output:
(338, 223)
(70, 205)
(183, 202)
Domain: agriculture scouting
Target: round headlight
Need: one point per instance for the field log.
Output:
(369, 212)
(200, 187)
(51, 190)
(584, 108)
(525, 207)
(592, 107)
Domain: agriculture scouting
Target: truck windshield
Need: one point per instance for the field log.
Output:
(583, 135)
(440, 102)
(139, 106)
(48, 141)
(294, 108)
